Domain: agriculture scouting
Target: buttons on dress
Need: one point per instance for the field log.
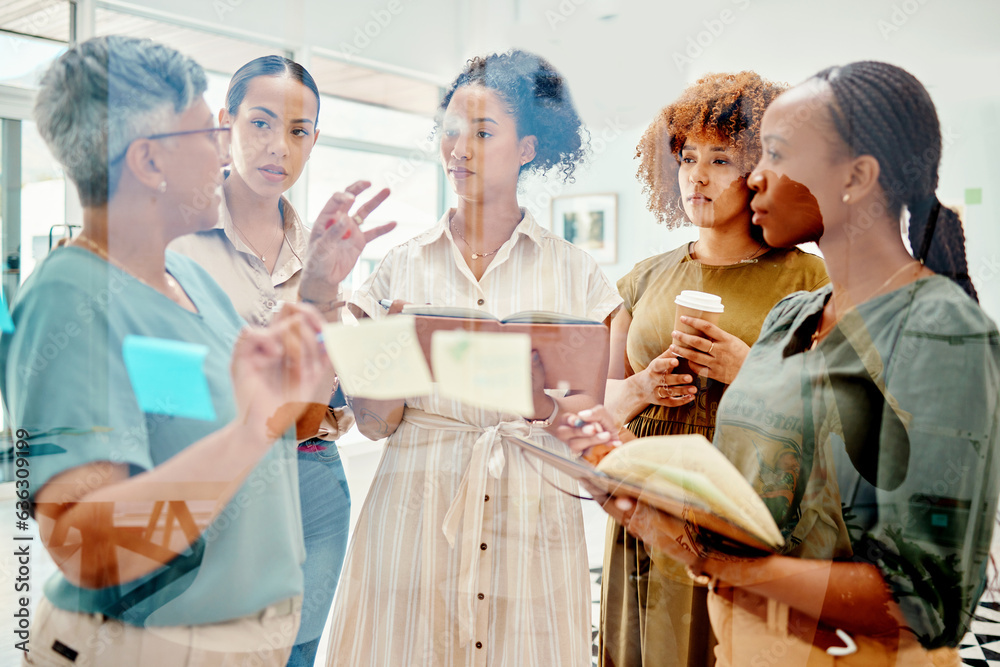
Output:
(483, 546)
(479, 644)
(487, 499)
(481, 301)
(481, 596)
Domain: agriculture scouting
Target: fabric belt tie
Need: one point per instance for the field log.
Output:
(488, 459)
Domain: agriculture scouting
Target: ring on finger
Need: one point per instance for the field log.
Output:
(358, 220)
(664, 394)
(711, 347)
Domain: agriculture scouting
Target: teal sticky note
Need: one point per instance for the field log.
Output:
(6, 324)
(973, 195)
(168, 376)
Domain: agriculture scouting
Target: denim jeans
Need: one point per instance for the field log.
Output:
(326, 514)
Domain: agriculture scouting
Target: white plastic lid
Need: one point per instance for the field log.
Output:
(710, 303)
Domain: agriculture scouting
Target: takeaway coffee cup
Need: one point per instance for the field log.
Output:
(702, 305)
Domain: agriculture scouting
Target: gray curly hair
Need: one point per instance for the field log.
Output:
(102, 95)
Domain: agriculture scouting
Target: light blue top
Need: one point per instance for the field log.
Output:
(65, 383)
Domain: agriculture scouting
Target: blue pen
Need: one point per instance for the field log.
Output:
(385, 303)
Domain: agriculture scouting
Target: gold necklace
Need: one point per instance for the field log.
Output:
(103, 254)
(820, 333)
(749, 259)
(475, 255)
(254, 248)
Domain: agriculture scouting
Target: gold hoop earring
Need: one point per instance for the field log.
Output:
(846, 198)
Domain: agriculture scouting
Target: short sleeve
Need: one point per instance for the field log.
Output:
(627, 290)
(814, 273)
(66, 386)
(938, 475)
(602, 298)
(781, 317)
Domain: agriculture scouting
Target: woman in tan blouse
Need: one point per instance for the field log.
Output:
(259, 253)
(695, 159)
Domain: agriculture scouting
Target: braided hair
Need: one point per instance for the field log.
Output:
(539, 100)
(883, 111)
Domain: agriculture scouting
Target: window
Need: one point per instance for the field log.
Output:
(43, 199)
(413, 203)
(23, 59)
(47, 19)
(215, 52)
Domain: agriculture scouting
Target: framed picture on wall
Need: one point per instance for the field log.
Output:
(590, 222)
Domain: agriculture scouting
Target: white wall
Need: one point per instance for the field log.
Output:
(624, 59)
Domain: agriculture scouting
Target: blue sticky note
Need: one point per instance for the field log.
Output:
(168, 376)
(6, 324)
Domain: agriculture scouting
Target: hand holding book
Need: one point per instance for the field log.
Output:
(684, 476)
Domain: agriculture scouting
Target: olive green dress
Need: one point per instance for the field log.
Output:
(651, 614)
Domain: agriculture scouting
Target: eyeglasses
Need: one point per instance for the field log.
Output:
(221, 135)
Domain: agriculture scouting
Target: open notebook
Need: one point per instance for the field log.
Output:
(574, 351)
(685, 476)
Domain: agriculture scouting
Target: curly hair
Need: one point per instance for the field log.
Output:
(537, 97)
(882, 110)
(726, 107)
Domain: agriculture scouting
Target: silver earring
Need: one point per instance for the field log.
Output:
(162, 187)
(846, 198)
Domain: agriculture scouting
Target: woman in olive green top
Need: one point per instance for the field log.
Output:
(696, 156)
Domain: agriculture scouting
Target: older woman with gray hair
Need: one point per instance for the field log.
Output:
(178, 538)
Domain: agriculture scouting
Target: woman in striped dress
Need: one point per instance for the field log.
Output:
(463, 554)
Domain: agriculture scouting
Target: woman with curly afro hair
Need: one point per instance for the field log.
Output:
(463, 553)
(694, 161)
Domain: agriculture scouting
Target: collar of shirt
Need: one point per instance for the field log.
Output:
(527, 228)
(293, 250)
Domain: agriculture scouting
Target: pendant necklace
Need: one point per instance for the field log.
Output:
(749, 259)
(252, 247)
(819, 334)
(475, 255)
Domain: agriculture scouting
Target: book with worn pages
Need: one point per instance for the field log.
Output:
(574, 351)
(684, 476)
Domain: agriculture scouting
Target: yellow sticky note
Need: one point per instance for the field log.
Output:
(488, 370)
(378, 359)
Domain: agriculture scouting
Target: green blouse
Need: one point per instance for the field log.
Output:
(879, 445)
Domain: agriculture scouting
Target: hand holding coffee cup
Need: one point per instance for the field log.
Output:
(705, 349)
(665, 383)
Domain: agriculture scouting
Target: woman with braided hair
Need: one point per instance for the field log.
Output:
(894, 485)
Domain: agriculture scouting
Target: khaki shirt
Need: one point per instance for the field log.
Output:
(255, 294)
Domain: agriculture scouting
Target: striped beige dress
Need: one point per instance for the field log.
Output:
(463, 554)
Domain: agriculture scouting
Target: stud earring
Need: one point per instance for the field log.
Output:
(162, 187)
(846, 198)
